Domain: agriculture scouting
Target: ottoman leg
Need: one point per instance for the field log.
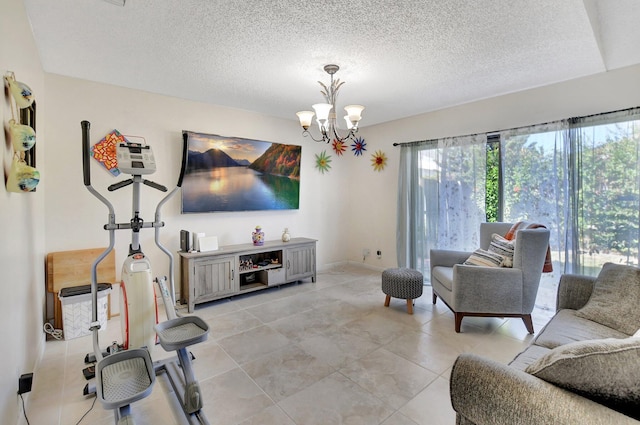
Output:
(410, 306)
(387, 300)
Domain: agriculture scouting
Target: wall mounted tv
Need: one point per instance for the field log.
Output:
(236, 174)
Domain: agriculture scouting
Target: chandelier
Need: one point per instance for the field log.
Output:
(326, 112)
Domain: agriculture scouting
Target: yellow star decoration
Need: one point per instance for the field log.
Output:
(378, 160)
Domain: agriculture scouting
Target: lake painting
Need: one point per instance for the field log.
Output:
(236, 174)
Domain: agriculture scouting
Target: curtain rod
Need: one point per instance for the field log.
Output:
(496, 132)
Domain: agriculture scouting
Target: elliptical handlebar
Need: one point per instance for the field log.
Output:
(154, 185)
(86, 154)
(120, 185)
(185, 156)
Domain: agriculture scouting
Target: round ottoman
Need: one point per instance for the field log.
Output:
(402, 283)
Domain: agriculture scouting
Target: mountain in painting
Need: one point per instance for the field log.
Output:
(210, 159)
(280, 160)
(243, 162)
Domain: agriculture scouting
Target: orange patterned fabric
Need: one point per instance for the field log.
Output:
(511, 235)
(105, 151)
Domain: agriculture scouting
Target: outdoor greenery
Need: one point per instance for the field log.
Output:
(492, 199)
(536, 187)
(609, 196)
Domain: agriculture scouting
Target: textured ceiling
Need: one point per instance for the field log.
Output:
(398, 58)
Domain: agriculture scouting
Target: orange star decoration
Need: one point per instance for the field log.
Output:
(105, 151)
(378, 160)
(339, 147)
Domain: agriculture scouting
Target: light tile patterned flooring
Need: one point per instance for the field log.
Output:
(309, 353)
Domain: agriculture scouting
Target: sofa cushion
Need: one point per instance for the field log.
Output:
(504, 247)
(605, 370)
(481, 257)
(614, 301)
(566, 327)
(528, 356)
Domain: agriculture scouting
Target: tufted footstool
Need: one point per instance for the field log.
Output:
(402, 283)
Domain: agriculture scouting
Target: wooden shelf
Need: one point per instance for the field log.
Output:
(252, 287)
(257, 269)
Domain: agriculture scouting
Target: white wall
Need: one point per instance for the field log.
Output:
(75, 218)
(372, 202)
(22, 222)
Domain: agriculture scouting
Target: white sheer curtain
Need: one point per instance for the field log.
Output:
(579, 177)
(608, 190)
(441, 198)
(537, 186)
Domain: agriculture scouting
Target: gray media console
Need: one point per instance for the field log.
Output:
(239, 269)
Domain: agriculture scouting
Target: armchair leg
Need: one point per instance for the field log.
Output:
(387, 300)
(528, 323)
(410, 306)
(435, 297)
(458, 318)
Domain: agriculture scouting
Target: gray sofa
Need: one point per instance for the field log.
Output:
(576, 371)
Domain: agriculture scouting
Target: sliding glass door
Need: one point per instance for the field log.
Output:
(579, 177)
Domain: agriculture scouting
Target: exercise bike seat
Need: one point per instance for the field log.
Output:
(124, 377)
(181, 332)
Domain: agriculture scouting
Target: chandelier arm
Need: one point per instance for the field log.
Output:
(350, 135)
(307, 133)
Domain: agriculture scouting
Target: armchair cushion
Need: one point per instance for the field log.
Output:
(614, 301)
(480, 257)
(604, 370)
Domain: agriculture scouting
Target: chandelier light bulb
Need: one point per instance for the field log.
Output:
(348, 121)
(354, 112)
(305, 118)
(322, 110)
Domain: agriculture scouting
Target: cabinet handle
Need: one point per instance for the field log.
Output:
(288, 264)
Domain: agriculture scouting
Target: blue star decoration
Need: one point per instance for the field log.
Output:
(358, 146)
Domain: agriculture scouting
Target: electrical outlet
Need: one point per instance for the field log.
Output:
(24, 383)
(366, 252)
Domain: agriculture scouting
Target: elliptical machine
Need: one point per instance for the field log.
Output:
(128, 375)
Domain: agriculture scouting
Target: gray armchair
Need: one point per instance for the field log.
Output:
(491, 291)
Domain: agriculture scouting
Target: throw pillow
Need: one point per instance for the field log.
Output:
(614, 300)
(504, 247)
(480, 257)
(604, 370)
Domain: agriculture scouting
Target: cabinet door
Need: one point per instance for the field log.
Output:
(213, 278)
(301, 263)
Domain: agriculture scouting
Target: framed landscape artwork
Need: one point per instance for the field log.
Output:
(235, 174)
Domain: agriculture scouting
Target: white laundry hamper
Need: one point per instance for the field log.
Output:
(76, 309)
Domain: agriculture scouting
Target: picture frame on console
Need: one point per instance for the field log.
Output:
(227, 174)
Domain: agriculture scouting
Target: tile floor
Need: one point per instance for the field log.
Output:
(309, 353)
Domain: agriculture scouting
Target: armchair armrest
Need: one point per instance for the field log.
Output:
(487, 392)
(487, 289)
(574, 291)
(447, 258)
